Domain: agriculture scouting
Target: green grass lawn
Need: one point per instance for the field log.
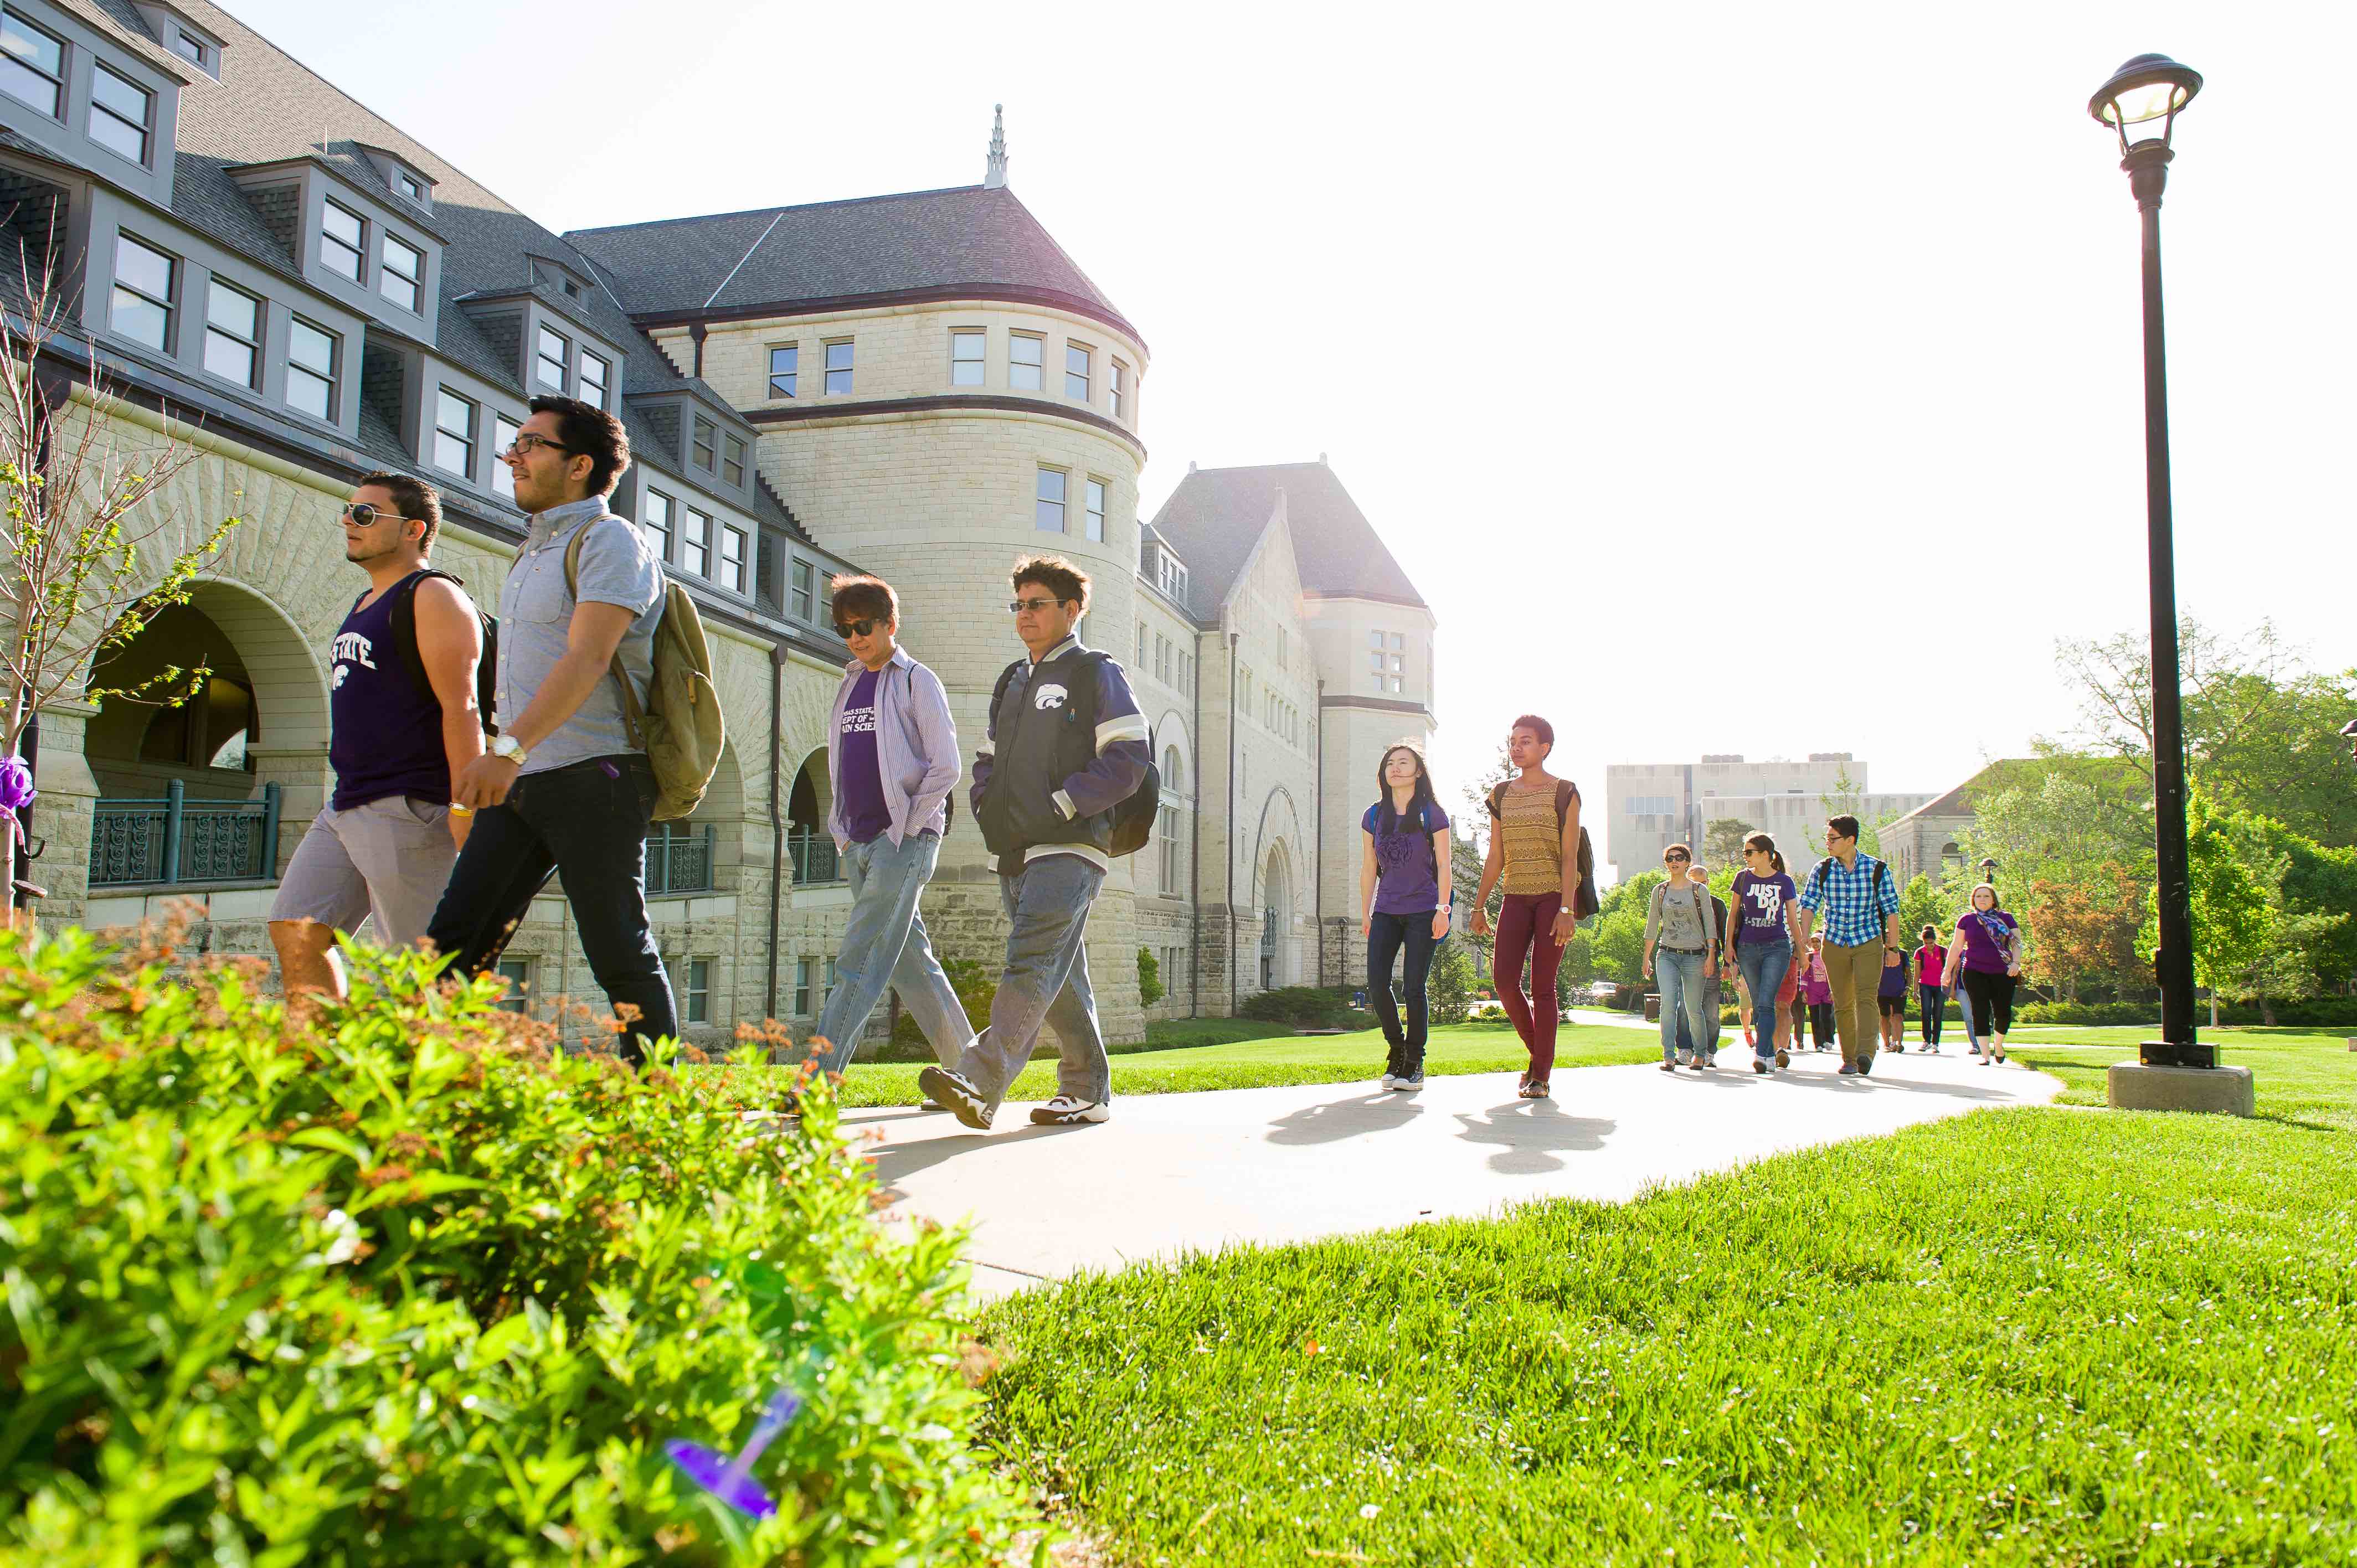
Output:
(1174, 1034)
(1244, 1063)
(2033, 1335)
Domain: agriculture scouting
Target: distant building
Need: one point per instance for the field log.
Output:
(1651, 805)
(1931, 838)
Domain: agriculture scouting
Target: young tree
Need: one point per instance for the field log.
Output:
(1722, 841)
(92, 550)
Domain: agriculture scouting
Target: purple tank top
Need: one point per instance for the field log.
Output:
(385, 729)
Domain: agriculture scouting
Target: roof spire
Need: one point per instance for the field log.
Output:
(993, 175)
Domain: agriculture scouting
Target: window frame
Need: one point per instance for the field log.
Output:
(980, 360)
(539, 359)
(295, 368)
(793, 377)
(732, 459)
(1092, 509)
(651, 500)
(802, 588)
(1017, 367)
(504, 432)
(145, 127)
(603, 380)
(469, 441)
(174, 269)
(1118, 387)
(328, 237)
(696, 535)
(696, 998)
(1086, 375)
(57, 109)
(733, 574)
(847, 370)
(215, 285)
(703, 441)
(387, 275)
(1040, 504)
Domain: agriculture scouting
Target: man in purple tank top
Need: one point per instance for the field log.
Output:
(382, 846)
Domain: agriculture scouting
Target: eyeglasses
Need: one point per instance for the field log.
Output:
(847, 630)
(1016, 606)
(531, 441)
(363, 515)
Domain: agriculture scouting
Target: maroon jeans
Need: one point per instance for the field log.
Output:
(1526, 928)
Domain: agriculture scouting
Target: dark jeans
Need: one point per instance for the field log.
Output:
(1385, 935)
(1821, 1025)
(1935, 1006)
(587, 823)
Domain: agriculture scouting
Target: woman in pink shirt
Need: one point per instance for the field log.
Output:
(1931, 971)
(1817, 990)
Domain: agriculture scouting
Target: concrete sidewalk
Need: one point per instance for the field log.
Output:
(1178, 1173)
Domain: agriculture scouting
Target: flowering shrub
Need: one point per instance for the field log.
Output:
(395, 1282)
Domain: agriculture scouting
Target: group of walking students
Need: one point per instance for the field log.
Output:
(1833, 946)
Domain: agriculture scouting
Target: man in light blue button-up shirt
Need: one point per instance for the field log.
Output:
(564, 787)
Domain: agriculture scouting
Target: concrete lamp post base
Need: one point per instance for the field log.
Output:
(2221, 1091)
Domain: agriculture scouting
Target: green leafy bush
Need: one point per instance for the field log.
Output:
(1303, 1006)
(976, 984)
(399, 1284)
(1149, 978)
(1448, 988)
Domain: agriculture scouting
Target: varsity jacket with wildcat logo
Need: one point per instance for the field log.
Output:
(1066, 744)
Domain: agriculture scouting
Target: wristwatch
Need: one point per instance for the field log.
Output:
(508, 747)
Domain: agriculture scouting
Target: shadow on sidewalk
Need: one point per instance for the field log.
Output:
(1532, 1133)
(1384, 1111)
(895, 1162)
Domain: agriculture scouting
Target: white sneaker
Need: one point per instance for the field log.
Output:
(1065, 1111)
(1390, 1080)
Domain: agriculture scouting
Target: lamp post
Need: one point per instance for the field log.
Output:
(1988, 872)
(2152, 88)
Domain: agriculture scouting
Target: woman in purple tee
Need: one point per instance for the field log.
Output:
(1399, 891)
(1988, 944)
(1767, 909)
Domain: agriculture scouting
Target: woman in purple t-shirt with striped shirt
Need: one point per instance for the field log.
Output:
(1399, 893)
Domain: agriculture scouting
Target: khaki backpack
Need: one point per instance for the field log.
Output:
(680, 726)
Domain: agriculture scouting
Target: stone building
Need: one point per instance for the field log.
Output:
(923, 385)
(1651, 805)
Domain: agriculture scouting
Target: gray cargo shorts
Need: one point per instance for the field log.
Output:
(388, 860)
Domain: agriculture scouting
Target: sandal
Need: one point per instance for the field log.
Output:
(1535, 1089)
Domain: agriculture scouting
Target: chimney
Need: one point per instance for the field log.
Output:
(1321, 459)
(994, 173)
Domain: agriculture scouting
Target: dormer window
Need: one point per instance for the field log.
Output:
(120, 112)
(343, 242)
(548, 361)
(402, 278)
(32, 64)
(410, 186)
(595, 375)
(182, 37)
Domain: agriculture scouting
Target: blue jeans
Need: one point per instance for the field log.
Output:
(1046, 982)
(587, 821)
(1764, 965)
(885, 944)
(1935, 1001)
(1679, 974)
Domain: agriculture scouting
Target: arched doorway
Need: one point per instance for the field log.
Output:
(1276, 921)
(186, 791)
(810, 847)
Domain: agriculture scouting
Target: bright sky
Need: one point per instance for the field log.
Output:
(1823, 321)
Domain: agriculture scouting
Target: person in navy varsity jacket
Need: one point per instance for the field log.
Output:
(1066, 744)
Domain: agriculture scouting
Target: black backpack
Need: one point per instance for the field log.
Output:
(404, 616)
(1133, 819)
(1585, 902)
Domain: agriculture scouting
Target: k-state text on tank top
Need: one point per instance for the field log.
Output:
(354, 648)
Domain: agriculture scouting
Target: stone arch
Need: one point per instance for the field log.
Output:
(810, 799)
(1276, 888)
(1171, 740)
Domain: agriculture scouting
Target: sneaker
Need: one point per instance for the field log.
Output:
(1865, 1067)
(1783, 1058)
(1758, 1067)
(1391, 1080)
(1976, 1050)
(962, 1098)
(1669, 1065)
(1409, 1081)
(1699, 1063)
(1846, 1070)
(1065, 1111)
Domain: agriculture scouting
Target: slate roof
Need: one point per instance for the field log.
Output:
(1216, 515)
(966, 236)
(268, 107)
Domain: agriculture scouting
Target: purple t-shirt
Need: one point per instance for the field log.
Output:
(1762, 901)
(1981, 952)
(865, 813)
(1407, 882)
(1894, 979)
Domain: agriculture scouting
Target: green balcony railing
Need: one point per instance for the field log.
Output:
(679, 858)
(160, 842)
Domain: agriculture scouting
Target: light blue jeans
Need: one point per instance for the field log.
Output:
(1679, 975)
(1047, 982)
(884, 944)
(1763, 966)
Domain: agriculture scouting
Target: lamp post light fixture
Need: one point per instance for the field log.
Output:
(1988, 872)
(2148, 92)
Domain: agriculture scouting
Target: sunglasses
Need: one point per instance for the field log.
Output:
(1675, 859)
(363, 515)
(1017, 606)
(847, 630)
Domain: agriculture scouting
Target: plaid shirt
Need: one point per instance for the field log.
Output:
(1851, 903)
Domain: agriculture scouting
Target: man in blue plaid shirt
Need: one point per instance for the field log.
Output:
(1857, 899)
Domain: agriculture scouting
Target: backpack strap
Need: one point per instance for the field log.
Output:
(401, 613)
(1565, 791)
(1498, 799)
(633, 713)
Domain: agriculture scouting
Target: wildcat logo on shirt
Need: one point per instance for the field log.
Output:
(1049, 696)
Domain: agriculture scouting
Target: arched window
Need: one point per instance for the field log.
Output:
(1174, 772)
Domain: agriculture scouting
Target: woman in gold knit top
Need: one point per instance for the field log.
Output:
(1534, 850)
